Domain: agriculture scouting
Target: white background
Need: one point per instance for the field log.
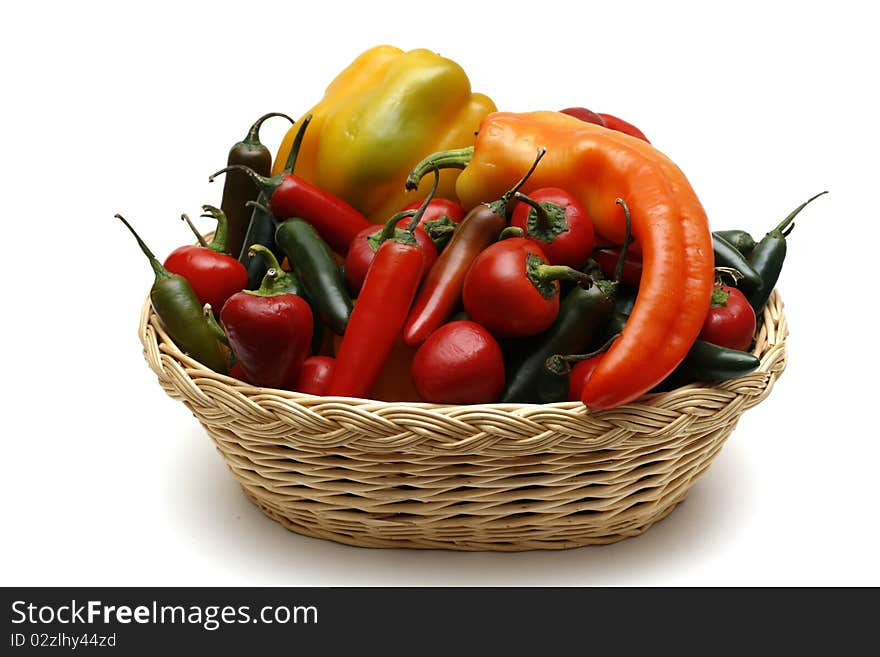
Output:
(127, 108)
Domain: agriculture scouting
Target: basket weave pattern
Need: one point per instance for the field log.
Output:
(483, 477)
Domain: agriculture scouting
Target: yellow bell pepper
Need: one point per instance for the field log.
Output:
(378, 118)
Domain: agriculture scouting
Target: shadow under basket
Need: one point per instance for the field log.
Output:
(502, 477)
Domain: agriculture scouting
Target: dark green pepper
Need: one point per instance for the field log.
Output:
(238, 189)
(769, 254)
(709, 362)
(311, 259)
(180, 312)
(726, 255)
(741, 240)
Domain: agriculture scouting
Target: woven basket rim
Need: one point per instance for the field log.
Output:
(770, 343)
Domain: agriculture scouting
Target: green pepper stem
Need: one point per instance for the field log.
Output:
(158, 269)
(561, 364)
(221, 233)
(195, 231)
(266, 254)
(457, 158)
(735, 274)
(562, 273)
(213, 325)
(417, 217)
(501, 207)
(259, 206)
(265, 185)
(253, 136)
(627, 240)
(511, 231)
(542, 219)
(784, 224)
(297, 142)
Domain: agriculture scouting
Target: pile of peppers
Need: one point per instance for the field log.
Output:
(412, 243)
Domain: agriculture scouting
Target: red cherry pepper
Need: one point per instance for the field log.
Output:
(314, 375)
(730, 321)
(269, 332)
(367, 242)
(213, 275)
(623, 126)
(579, 375)
(441, 220)
(459, 363)
(383, 304)
(290, 196)
(584, 114)
(557, 222)
(513, 291)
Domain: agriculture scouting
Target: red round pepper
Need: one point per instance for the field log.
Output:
(511, 289)
(269, 333)
(367, 242)
(557, 222)
(314, 375)
(459, 363)
(290, 196)
(579, 375)
(632, 265)
(730, 321)
(213, 275)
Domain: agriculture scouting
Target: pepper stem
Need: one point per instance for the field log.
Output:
(561, 364)
(627, 240)
(457, 158)
(501, 207)
(734, 274)
(511, 231)
(264, 184)
(253, 136)
(259, 206)
(221, 233)
(213, 324)
(160, 271)
(266, 254)
(417, 217)
(543, 222)
(297, 143)
(195, 231)
(543, 276)
(787, 222)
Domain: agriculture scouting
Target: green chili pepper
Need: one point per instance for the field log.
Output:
(238, 189)
(180, 312)
(741, 240)
(313, 262)
(709, 362)
(727, 255)
(769, 254)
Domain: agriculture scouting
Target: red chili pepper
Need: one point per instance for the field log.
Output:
(623, 126)
(290, 196)
(385, 299)
(730, 321)
(367, 242)
(512, 290)
(584, 114)
(459, 363)
(632, 265)
(269, 332)
(314, 375)
(442, 290)
(557, 222)
(213, 275)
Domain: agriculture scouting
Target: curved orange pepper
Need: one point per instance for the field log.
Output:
(668, 223)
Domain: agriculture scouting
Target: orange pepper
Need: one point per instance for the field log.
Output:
(670, 227)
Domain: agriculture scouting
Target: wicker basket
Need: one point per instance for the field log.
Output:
(485, 477)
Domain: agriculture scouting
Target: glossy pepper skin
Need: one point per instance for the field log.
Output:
(669, 225)
(380, 116)
(269, 332)
(213, 275)
(237, 189)
(769, 254)
(180, 312)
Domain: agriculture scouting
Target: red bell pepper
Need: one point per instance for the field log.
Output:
(213, 275)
